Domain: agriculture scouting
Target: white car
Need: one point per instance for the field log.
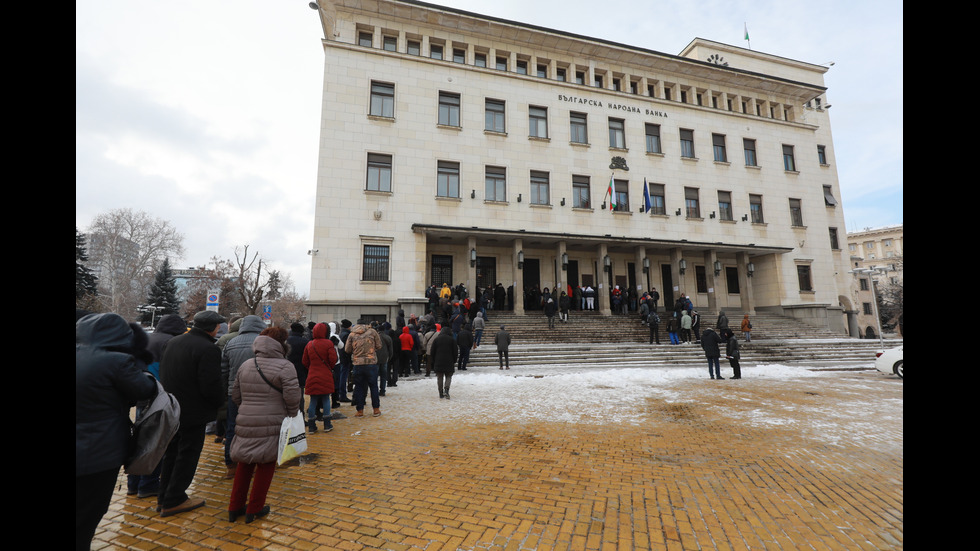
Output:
(891, 361)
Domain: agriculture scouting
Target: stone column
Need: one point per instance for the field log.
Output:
(471, 268)
(518, 280)
(561, 276)
(710, 256)
(745, 284)
(604, 284)
(675, 274)
(638, 275)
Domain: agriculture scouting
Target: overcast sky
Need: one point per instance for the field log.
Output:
(206, 114)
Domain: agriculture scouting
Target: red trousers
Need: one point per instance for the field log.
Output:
(260, 486)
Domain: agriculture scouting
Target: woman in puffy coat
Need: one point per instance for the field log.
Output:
(319, 357)
(266, 390)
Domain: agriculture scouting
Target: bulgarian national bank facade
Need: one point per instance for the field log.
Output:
(461, 148)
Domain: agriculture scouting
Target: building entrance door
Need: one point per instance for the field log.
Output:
(667, 290)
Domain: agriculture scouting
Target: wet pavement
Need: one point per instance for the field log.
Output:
(600, 459)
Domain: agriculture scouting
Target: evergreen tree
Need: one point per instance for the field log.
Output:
(162, 294)
(86, 284)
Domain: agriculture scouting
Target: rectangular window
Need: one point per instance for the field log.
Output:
(803, 272)
(378, 172)
(755, 207)
(579, 127)
(700, 279)
(691, 203)
(459, 55)
(480, 60)
(834, 242)
(538, 121)
(435, 51)
(501, 64)
(496, 178)
(448, 109)
(364, 39)
(828, 196)
(795, 212)
(382, 99)
(687, 143)
(867, 308)
(579, 77)
(749, 147)
(658, 204)
(521, 67)
(653, 138)
(725, 206)
(821, 154)
(597, 81)
(718, 146)
(581, 197)
(789, 161)
(560, 74)
(542, 70)
(731, 277)
(390, 43)
(864, 285)
(414, 47)
(495, 116)
(447, 179)
(540, 192)
(617, 134)
(622, 189)
(442, 269)
(375, 267)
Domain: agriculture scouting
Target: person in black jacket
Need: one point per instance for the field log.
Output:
(110, 377)
(444, 353)
(297, 342)
(464, 343)
(190, 370)
(710, 342)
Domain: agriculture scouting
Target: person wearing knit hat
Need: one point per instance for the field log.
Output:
(190, 369)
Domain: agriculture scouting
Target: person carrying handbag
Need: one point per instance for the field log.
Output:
(266, 389)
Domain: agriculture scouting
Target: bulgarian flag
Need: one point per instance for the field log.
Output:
(612, 194)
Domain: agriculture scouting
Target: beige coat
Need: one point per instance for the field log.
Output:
(262, 408)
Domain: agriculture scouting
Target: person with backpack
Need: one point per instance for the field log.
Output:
(653, 320)
(168, 327)
(110, 378)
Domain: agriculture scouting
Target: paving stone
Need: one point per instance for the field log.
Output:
(792, 463)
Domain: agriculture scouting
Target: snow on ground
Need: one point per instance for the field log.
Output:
(576, 394)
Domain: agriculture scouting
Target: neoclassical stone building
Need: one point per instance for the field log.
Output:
(462, 148)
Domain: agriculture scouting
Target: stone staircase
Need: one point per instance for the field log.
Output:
(592, 339)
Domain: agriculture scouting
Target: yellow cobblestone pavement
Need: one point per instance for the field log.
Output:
(812, 462)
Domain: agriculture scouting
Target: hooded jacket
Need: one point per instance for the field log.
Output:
(319, 357)
(109, 380)
(363, 345)
(406, 340)
(239, 349)
(262, 404)
(168, 327)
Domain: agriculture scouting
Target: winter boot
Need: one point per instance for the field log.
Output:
(311, 425)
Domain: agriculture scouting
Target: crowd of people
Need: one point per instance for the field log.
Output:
(238, 382)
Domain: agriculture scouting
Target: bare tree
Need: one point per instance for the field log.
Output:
(252, 283)
(125, 249)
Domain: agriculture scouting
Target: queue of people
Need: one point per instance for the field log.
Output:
(261, 375)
